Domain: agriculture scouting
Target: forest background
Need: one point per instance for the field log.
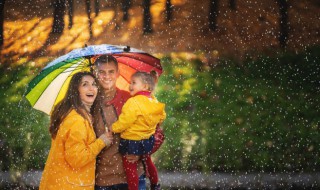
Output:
(241, 78)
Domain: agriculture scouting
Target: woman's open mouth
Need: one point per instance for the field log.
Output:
(90, 95)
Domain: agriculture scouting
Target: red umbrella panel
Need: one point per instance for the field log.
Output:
(129, 63)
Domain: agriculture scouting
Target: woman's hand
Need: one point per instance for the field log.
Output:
(107, 138)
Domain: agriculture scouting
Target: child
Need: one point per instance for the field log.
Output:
(137, 124)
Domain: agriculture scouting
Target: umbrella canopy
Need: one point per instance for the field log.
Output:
(50, 85)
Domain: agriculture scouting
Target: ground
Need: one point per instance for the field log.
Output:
(250, 29)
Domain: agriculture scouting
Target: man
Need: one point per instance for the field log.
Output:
(110, 174)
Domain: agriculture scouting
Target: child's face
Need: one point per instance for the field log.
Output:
(137, 85)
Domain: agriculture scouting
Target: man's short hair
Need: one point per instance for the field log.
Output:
(105, 59)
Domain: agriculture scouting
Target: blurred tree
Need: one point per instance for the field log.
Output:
(168, 10)
(233, 5)
(96, 7)
(116, 6)
(147, 28)
(58, 13)
(1, 21)
(70, 11)
(88, 10)
(283, 21)
(125, 8)
(213, 13)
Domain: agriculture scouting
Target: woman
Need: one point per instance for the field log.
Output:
(74, 147)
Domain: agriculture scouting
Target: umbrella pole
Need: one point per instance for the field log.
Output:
(90, 65)
(104, 119)
(89, 59)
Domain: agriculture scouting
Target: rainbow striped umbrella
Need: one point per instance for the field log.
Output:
(50, 85)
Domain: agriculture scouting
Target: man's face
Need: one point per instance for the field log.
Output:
(107, 75)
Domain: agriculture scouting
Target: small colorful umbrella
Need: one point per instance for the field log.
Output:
(50, 85)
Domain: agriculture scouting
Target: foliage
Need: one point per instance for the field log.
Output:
(24, 138)
(261, 116)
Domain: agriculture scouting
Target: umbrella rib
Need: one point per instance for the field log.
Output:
(76, 68)
(153, 66)
(44, 73)
(137, 58)
(79, 64)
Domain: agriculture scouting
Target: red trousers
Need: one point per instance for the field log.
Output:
(132, 172)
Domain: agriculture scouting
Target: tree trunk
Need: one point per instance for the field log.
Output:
(233, 5)
(1, 21)
(88, 7)
(147, 28)
(213, 14)
(168, 10)
(283, 22)
(96, 7)
(70, 11)
(116, 20)
(58, 14)
(125, 9)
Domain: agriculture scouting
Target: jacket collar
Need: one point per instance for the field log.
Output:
(144, 93)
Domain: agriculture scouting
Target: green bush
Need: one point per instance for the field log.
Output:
(261, 116)
(24, 139)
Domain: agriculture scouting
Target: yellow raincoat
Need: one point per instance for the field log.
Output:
(72, 157)
(139, 118)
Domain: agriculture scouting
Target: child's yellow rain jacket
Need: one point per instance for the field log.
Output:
(139, 118)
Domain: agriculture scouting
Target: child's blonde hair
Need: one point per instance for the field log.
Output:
(149, 79)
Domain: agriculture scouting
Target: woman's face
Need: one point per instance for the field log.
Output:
(88, 90)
